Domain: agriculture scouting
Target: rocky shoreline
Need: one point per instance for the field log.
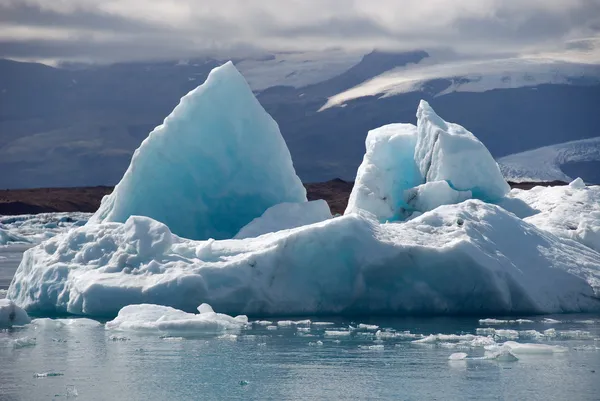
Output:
(87, 199)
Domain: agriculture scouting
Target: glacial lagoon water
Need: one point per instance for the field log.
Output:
(328, 358)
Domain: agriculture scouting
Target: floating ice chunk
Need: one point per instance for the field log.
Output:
(322, 323)
(485, 331)
(457, 356)
(588, 321)
(550, 333)
(47, 374)
(550, 321)
(448, 152)
(492, 321)
(285, 216)
(368, 326)
(217, 162)
(528, 348)
(318, 343)
(389, 335)
(12, 315)
(24, 342)
(118, 338)
(47, 323)
(577, 183)
(502, 355)
(387, 170)
(523, 321)
(263, 322)
(271, 327)
(303, 329)
(149, 317)
(506, 334)
(376, 347)
(575, 335)
(337, 333)
(436, 338)
(533, 334)
(428, 196)
(285, 323)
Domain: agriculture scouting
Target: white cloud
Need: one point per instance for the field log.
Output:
(136, 29)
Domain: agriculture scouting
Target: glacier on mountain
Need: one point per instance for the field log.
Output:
(396, 250)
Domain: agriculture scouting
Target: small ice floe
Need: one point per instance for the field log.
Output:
(376, 347)
(12, 315)
(263, 323)
(550, 321)
(490, 322)
(506, 335)
(531, 334)
(527, 348)
(118, 338)
(171, 338)
(47, 374)
(147, 317)
(455, 340)
(271, 327)
(337, 333)
(363, 326)
(394, 335)
(317, 343)
(303, 329)
(322, 323)
(24, 342)
(501, 355)
(457, 356)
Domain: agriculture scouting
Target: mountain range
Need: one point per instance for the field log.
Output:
(77, 125)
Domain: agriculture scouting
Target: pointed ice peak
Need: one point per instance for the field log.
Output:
(217, 162)
(577, 183)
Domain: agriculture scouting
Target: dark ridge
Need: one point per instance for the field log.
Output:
(87, 199)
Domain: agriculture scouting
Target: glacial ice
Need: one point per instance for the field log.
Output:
(146, 317)
(387, 170)
(217, 162)
(570, 211)
(285, 216)
(446, 151)
(350, 265)
(12, 315)
(410, 169)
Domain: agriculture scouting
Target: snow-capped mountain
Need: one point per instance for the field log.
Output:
(78, 125)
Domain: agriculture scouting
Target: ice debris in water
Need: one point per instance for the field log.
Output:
(337, 333)
(457, 356)
(377, 347)
(318, 343)
(24, 342)
(490, 322)
(323, 323)
(526, 348)
(550, 321)
(47, 374)
(368, 326)
(217, 162)
(12, 315)
(263, 322)
(148, 317)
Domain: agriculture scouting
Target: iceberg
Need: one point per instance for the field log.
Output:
(467, 258)
(286, 216)
(217, 162)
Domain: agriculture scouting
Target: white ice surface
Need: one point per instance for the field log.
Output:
(217, 162)
(146, 317)
(544, 164)
(450, 162)
(12, 315)
(570, 212)
(284, 216)
(471, 257)
(448, 152)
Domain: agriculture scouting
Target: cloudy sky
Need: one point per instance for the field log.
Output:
(118, 30)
